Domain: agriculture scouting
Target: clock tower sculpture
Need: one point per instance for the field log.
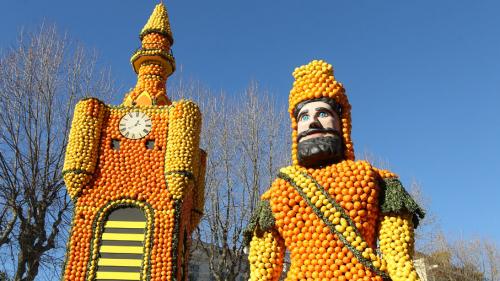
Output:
(135, 173)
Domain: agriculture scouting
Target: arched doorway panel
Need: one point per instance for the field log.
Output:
(122, 249)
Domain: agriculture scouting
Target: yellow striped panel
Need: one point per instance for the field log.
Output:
(120, 262)
(118, 275)
(121, 249)
(125, 224)
(123, 237)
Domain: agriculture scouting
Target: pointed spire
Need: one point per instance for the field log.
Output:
(158, 23)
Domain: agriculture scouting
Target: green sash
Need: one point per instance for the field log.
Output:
(334, 228)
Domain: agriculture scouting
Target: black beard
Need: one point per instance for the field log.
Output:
(320, 151)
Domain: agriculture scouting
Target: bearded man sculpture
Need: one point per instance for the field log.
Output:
(327, 209)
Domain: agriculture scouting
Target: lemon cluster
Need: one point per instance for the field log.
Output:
(265, 257)
(396, 244)
(158, 22)
(183, 155)
(316, 80)
(83, 144)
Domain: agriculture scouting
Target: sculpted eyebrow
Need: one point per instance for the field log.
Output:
(302, 113)
(324, 108)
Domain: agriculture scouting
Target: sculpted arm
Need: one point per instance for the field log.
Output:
(83, 144)
(266, 256)
(267, 247)
(396, 238)
(400, 217)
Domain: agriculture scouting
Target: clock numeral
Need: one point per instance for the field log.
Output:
(145, 131)
(148, 125)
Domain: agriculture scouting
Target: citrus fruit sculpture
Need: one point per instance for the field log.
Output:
(136, 174)
(340, 219)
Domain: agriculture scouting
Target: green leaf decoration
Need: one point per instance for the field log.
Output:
(395, 199)
(262, 220)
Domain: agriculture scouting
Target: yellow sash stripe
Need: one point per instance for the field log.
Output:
(120, 262)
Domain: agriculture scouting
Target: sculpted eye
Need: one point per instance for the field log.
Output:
(323, 114)
(304, 117)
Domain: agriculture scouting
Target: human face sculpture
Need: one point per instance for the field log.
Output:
(318, 135)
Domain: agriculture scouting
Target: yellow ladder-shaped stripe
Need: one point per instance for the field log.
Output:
(120, 262)
(123, 237)
(125, 224)
(118, 275)
(121, 249)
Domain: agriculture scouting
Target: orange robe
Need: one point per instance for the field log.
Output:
(316, 252)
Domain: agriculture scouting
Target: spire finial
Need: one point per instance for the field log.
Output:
(158, 23)
(156, 37)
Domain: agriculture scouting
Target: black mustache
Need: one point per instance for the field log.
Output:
(317, 130)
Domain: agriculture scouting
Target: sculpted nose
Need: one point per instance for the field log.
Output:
(315, 125)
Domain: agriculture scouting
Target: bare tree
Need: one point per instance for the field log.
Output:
(41, 78)
(247, 139)
(462, 259)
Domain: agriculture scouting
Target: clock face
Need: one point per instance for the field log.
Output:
(135, 125)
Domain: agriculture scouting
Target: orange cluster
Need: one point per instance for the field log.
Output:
(137, 173)
(124, 168)
(385, 174)
(316, 252)
(155, 41)
(121, 175)
(316, 80)
(150, 87)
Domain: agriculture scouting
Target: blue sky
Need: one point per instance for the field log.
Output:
(423, 77)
